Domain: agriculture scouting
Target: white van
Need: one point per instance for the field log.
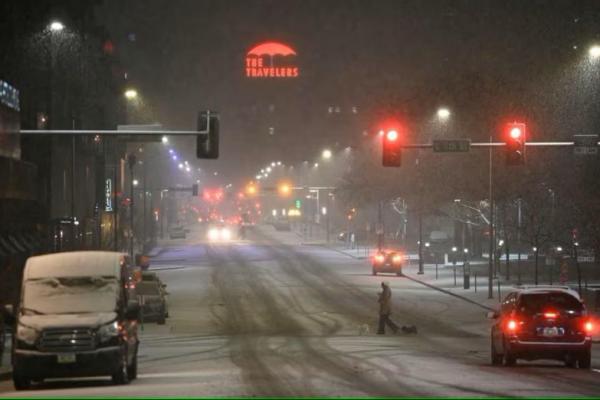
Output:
(75, 319)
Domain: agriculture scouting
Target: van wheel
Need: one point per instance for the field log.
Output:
(132, 370)
(496, 358)
(120, 377)
(585, 359)
(21, 382)
(509, 358)
(570, 360)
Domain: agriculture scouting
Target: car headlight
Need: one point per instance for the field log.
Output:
(225, 234)
(27, 334)
(108, 331)
(213, 234)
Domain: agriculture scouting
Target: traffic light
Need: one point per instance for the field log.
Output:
(194, 190)
(515, 143)
(251, 189)
(284, 189)
(392, 151)
(207, 144)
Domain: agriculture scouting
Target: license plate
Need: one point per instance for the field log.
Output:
(552, 332)
(68, 358)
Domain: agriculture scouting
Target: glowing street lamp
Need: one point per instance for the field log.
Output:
(326, 154)
(443, 113)
(135, 182)
(164, 140)
(594, 52)
(56, 26)
(285, 189)
(131, 94)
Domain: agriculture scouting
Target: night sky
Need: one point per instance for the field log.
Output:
(189, 55)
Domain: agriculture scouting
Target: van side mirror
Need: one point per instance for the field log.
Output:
(132, 312)
(492, 315)
(8, 314)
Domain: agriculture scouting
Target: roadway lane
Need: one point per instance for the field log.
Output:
(269, 317)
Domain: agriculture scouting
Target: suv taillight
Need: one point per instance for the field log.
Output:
(588, 327)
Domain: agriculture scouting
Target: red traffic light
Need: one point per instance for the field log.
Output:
(516, 133)
(392, 135)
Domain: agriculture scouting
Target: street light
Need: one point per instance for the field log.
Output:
(326, 154)
(443, 114)
(56, 26)
(131, 94)
(594, 52)
(165, 140)
(135, 182)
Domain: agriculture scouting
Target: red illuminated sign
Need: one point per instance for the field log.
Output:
(271, 60)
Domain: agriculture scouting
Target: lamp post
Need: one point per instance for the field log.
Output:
(131, 159)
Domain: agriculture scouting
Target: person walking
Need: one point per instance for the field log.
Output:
(385, 309)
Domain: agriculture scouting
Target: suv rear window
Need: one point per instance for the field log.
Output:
(534, 303)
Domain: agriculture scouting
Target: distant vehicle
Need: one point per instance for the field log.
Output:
(542, 323)
(177, 232)
(282, 225)
(219, 233)
(75, 319)
(387, 261)
(152, 297)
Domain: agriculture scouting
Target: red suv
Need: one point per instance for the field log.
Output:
(542, 323)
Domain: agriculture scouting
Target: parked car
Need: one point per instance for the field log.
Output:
(75, 319)
(177, 232)
(542, 323)
(152, 297)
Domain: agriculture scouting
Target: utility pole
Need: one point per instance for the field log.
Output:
(131, 160)
(421, 271)
(492, 238)
(328, 215)
(380, 228)
(144, 237)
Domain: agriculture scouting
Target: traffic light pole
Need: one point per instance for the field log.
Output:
(492, 233)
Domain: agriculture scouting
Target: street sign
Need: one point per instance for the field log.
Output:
(585, 145)
(451, 145)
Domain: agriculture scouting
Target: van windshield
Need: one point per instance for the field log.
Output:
(70, 295)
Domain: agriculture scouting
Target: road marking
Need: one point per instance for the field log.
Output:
(164, 267)
(596, 370)
(182, 374)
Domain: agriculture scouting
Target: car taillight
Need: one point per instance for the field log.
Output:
(550, 315)
(379, 258)
(588, 327)
(396, 259)
(512, 325)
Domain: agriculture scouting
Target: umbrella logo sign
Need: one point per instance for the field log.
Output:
(271, 60)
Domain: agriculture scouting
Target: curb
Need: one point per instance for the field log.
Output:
(449, 293)
(343, 252)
